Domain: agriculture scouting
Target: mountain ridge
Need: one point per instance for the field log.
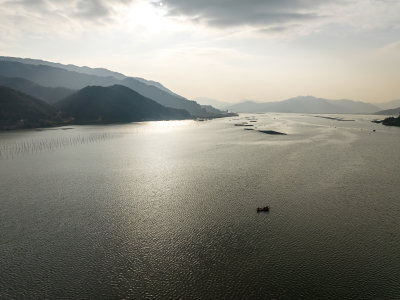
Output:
(305, 104)
(389, 104)
(102, 72)
(47, 94)
(117, 103)
(393, 111)
(213, 102)
(57, 77)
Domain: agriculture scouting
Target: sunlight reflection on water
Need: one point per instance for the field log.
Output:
(168, 126)
(166, 210)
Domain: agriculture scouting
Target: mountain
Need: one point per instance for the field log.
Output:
(57, 77)
(393, 111)
(389, 104)
(116, 103)
(212, 102)
(211, 110)
(49, 95)
(18, 110)
(85, 70)
(165, 98)
(306, 104)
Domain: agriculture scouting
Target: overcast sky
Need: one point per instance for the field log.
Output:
(264, 50)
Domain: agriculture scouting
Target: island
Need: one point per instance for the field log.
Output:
(391, 121)
(272, 132)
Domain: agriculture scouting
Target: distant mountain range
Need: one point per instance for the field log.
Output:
(389, 105)
(306, 104)
(117, 103)
(47, 75)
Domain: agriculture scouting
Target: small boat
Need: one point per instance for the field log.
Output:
(265, 208)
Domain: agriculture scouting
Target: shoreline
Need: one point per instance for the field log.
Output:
(17, 126)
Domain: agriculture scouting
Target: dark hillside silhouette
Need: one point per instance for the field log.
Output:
(57, 77)
(117, 103)
(18, 110)
(47, 94)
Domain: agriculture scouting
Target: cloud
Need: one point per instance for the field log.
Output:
(264, 16)
(288, 18)
(92, 9)
(89, 11)
(254, 13)
(276, 29)
(273, 18)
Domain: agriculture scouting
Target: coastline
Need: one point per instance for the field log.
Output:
(21, 125)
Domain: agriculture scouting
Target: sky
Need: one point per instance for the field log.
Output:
(230, 50)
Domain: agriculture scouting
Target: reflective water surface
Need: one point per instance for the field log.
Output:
(168, 210)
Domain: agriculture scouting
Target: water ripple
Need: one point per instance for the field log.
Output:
(35, 145)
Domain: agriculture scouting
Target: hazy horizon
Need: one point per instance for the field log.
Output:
(204, 100)
(230, 51)
(283, 99)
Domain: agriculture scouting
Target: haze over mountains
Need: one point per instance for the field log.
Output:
(85, 70)
(306, 104)
(213, 102)
(55, 77)
(393, 111)
(389, 105)
(47, 94)
(84, 95)
(92, 95)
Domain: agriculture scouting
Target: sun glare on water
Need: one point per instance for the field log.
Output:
(167, 126)
(170, 124)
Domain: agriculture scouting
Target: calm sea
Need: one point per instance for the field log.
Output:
(168, 210)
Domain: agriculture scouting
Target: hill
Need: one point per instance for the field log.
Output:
(117, 103)
(393, 111)
(49, 95)
(50, 76)
(211, 109)
(391, 121)
(389, 104)
(18, 110)
(85, 70)
(306, 104)
(213, 102)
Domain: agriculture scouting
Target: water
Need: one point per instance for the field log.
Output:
(168, 210)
